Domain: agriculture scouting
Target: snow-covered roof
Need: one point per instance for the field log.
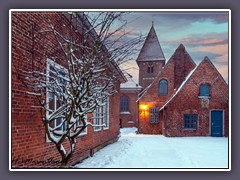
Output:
(180, 87)
(151, 50)
(180, 49)
(94, 34)
(130, 84)
(141, 94)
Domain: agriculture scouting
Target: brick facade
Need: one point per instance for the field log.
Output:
(130, 118)
(182, 100)
(150, 59)
(188, 101)
(151, 96)
(28, 141)
(146, 77)
(178, 102)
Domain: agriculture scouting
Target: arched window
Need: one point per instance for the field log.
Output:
(124, 106)
(204, 90)
(163, 87)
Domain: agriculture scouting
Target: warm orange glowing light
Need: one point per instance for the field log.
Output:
(143, 107)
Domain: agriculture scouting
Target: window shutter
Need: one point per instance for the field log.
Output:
(163, 87)
(204, 90)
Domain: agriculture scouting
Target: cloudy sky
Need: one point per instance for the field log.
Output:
(202, 33)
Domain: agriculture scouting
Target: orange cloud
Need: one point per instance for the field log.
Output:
(217, 49)
(223, 69)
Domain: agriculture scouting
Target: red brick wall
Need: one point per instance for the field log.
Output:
(146, 78)
(183, 64)
(152, 98)
(133, 109)
(187, 101)
(29, 146)
(144, 126)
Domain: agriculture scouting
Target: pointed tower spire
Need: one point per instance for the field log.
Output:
(150, 59)
(151, 50)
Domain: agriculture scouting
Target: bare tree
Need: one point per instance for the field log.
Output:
(74, 76)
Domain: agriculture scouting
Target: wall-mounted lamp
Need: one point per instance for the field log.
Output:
(143, 107)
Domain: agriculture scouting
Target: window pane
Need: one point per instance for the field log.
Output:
(52, 124)
(58, 103)
(163, 87)
(204, 90)
(55, 70)
(97, 117)
(190, 121)
(124, 104)
(154, 115)
(152, 69)
(58, 122)
(51, 103)
(106, 113)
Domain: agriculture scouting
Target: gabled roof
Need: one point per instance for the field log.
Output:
(83, 18)
(179, 89)
(130, 84)
(183, 64)
(142, 93)
(206, 59)
(180, 50)
(151, 50)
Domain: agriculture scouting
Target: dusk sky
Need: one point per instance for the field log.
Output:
(202, 34)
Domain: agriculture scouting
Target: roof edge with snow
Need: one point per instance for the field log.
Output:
(184, 82)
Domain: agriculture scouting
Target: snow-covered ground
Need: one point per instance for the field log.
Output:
(156, 151)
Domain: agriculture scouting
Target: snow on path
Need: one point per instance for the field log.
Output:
(156, 151)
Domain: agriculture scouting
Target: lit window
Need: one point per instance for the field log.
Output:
(204, 90)
(124, 104)
(163, 87)
(154, 116)
(190, 121)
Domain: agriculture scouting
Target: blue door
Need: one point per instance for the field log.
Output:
(217, 123)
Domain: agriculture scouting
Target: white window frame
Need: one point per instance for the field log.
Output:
(106, 114)
(55, 65)
(98, 115)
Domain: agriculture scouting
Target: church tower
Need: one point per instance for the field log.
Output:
(150, 59)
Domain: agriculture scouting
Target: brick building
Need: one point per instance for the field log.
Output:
(177, 98)
(128, 107)
(150, 59)
(29, 145)
(180, 98)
